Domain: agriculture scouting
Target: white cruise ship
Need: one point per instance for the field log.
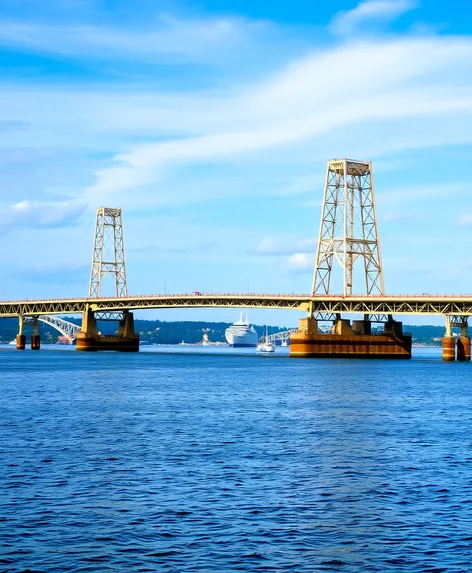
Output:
(241, 333)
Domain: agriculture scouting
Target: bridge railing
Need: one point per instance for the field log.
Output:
(250, 295)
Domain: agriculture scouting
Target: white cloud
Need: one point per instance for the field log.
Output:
(64, 273)
(39, 215)
(163, 38)
(465, 220)
(302, 185)
(284, 245)
(289, 122)
(300, 262)
(303, 103)
(269, 246)
(398, 217)
(150, 140)
(411, 193)
(347, 22)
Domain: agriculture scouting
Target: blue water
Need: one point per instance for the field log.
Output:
(226, 462)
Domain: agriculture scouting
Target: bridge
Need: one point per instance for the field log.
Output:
(450, 305)
(283, 337)
(348, 233)
(67, 330)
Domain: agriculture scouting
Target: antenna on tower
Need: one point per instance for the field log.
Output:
(348, 229)
(108, 252)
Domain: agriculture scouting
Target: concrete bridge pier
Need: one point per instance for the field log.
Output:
(90, 339)
(20, 337)
(349, 341)
(463, 349)
(463, 343)
(448, 343)
(448, 349)
(35, 339)
(456, 349)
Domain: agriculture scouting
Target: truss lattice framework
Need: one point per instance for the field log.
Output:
(66, 328)
(458, 321)
(348, 229)
(108, 252)
(284, 335)
(372, 305)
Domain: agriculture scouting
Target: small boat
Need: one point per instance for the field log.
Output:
(284, 343)
(265, 345)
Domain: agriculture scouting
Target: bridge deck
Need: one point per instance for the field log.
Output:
(397, 304)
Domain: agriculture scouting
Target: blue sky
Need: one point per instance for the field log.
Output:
(210, 124)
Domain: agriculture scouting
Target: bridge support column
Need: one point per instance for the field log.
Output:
(301, 340)
(90, 340)
(20, 338)
(463, 349)
(346, 341)
(463, 344)
(448, 343)
(126, 326)
(35, 339)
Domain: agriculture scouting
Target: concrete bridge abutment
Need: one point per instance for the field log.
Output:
(90, 339)
(349, 341)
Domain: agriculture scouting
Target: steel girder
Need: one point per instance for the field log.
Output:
(373, 305)
(395, 306)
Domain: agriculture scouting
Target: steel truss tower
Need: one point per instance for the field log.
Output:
(108, 252)
(348, 229)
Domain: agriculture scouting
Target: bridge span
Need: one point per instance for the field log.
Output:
(451, 305)
(348, 236)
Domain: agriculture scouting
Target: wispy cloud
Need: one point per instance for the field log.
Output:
(465, 220)
(302, 185)
(175, 251)
(349, 21)
(296, 253)
(301, 262)
(302, 103)
(411, 193)
(398, 217)
(29, 214)
(60, 274)
(284, 245)
(163, 38)
(158, 138)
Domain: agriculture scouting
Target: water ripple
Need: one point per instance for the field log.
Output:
(202, 463)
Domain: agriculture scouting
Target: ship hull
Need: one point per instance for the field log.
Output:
(249, 341)
(244, 340)
(241, 334)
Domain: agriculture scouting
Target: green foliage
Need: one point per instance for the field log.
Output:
(157, 332)
(152, 331)
(162, 332)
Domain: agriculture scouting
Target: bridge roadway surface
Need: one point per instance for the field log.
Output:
(460, 305)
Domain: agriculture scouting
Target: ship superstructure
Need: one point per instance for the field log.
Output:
(241, 333)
